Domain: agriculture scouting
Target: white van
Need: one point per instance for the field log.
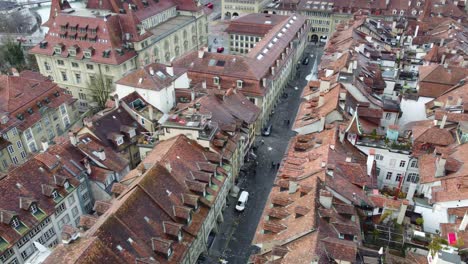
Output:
(243, 198)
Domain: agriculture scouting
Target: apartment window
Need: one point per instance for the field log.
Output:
(64, 76)
(239, 83)
(46, 121)
(33, 208)
(74, 65)
(402, 163)
(11, 150)
(61, 207)
(89, 67)
(63, 109)
(55, 116)
(66, 121)
(388, 116)
(23, 154)
(78, 78)
(28, 252)
(216, 80)
(414, 164)
(75, 211)
(389, 175)
(71, 200)
(60, 62)
(120, 141)
(47, 66)
(378, 157)
(398, 177)
(7, 255)
(5, 164)
(18, 143)
(28, 135)
(32, 147)
(82, 96)
(107, 68)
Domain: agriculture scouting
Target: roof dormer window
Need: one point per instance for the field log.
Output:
(169, 252)
(58, 49)
(216, 80)
(72, 52)
(66, 185)
(402, 12)
(179, 236)
(15, 223)
(119, 141)
(239, 84)
(189, 219)
(394, 11)
(55, 194)
(33, 208)
(418, 4)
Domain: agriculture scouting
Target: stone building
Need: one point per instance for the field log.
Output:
(165, 210)
(34, 111)
(109, 39)
(40, 198)
(261, 74)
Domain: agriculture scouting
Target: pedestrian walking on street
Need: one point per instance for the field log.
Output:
(277, 165)
(263, 141)
(289, 121)
(272, 164)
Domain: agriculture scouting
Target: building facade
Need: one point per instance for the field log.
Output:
(36, 110)
(46, 193)
(108, 39)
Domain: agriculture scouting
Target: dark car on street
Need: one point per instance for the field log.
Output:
(305, 61)
(267, 130)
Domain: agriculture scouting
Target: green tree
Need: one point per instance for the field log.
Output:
(436, 245)
(100, 90)
(419, 221)
(12, 54)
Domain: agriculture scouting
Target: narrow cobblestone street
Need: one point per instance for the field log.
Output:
(233, 241)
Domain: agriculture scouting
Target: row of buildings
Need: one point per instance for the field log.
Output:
(324, 16)
(156, 164)
(382, 134)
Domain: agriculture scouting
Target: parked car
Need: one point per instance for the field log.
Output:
(305, 61)
(267, 130)
(243, 198)
(220, 49)
(209, 5)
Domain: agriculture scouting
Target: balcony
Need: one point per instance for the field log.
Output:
(400, 146)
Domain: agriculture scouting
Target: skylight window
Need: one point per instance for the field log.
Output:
(270, 45)
(265, 50)
(275, 40)
(280, 35)
(284, 30)
(288, 25)
(259, 57)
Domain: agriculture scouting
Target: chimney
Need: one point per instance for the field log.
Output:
(293, 187)
(101, 154)
(87, 122)
(440, 166)
(201, 53)
(151, 71)
(116, 101)
(444, 120)
(409, 3)
(442, 42)
(170, 69)
(442, 60)
(15, 72)
(151, 113)
(459, 101)
(264, 82)
(87, 166)
(204, 84)
(394, 25)
(272, 70)
(416, 31)
(73, 139)
(192, 94)
(45, 144)
(326, 198)
(387, 2)
(370, 161)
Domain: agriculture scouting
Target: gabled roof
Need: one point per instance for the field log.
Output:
(155, 207)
